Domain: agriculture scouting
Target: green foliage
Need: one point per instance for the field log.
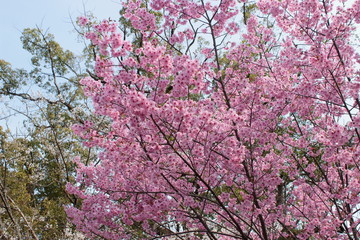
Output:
(11, 79)
(248, 10)
(35, 166)
(46, 51)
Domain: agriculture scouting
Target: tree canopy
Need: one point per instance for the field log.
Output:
(36, 160)
(227, 120)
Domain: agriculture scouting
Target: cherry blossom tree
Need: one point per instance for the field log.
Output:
(227, 120)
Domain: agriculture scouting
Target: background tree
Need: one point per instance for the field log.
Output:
(36, 159)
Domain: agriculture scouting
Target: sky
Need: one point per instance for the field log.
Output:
(52, 15)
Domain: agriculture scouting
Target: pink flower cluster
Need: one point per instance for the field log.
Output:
(208, 138)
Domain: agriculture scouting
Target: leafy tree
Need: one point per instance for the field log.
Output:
(220, 130)
(36, 163)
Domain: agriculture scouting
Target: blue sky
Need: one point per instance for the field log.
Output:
(54, 15)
